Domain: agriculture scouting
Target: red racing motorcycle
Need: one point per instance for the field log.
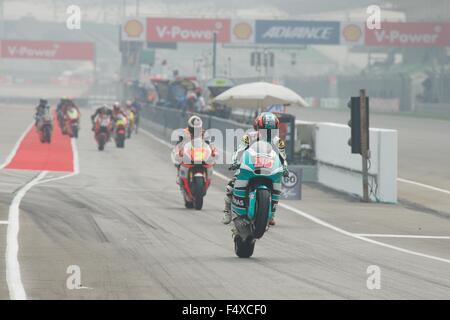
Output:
(71, 122)
(103, 128)
(196, 170)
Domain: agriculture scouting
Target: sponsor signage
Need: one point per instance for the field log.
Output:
(187, 30)
(297, 32)
(242, 31)
(291, 186)
(352, 33)
(134, 29)
(49, 50)
(409, 34)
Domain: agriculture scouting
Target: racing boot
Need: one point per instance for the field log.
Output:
(227, 211)
(274, 209)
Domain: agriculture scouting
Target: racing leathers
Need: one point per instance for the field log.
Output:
(40, 111)
(184, 138)
(247, 140)
(101, 110)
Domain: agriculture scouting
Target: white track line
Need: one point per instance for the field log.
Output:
(13, 278)
(16, 147)
(3, 222)
(407, 236)
(424, 185)
(319, 221)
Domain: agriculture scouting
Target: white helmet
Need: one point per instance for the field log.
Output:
(194, 122)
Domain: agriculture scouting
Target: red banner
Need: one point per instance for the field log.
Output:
(409, 34)
(187, 30)
(48, 50)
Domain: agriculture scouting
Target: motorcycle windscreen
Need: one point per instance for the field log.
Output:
(196, 152)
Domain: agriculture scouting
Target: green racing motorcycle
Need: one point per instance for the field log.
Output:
(257, 185)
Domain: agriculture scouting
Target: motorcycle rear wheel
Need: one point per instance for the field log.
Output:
(244, 249)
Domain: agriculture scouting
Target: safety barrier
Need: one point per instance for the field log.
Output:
(339, 169)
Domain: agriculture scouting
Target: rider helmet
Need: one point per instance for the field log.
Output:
(195, 123)
(265, 123)
(116, 106)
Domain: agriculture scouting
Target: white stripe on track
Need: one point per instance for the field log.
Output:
(406, 236)
(321, 222)
(3, 222)
(13, 277)
(423, 185)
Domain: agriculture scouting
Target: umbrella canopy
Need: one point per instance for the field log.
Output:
(259, 95)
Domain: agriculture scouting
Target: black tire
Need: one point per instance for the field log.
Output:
(47, 134)
(261, 212)
(101, 142)
(75, 131)
(120, 141)
(198, 187)
(188, 205)
(244, 249)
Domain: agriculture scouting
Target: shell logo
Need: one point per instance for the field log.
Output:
(242, 31)
(352, 33)
(133, 28)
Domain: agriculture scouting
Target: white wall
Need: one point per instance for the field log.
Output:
(339, 169)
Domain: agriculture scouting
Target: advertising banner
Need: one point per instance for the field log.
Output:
(187, 30)
(242, 31)
(410, 34)
(297, 32)
(134, 29)
(49, 50)
(352, 33)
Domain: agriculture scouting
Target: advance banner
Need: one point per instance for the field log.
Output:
(409, 34)
(297, 32)
(187, 30)
(48, 50)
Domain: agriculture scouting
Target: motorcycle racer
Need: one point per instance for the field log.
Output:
(263, 126)
(192, 131)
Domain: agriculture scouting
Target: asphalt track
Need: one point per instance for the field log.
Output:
(121, 219)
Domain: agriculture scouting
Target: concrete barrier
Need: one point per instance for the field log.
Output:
(339, 169)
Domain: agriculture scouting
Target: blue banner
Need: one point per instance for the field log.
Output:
(297, 32)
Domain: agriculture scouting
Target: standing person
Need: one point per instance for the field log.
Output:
(136, 107)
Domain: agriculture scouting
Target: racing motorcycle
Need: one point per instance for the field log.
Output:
(71, 122)
(120, 130)
(253, 195)
(103, 127)
(45, 127)
(196, 170)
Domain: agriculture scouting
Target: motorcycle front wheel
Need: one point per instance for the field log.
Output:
(198, 188)
(261, 212)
